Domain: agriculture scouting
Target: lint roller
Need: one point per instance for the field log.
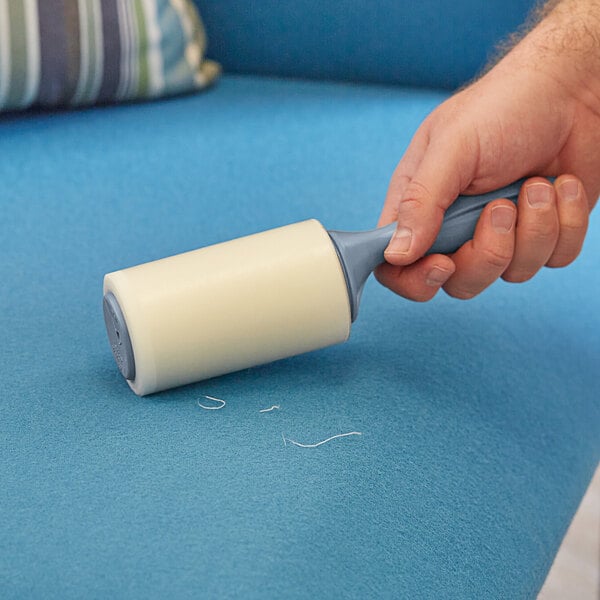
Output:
(252, 300)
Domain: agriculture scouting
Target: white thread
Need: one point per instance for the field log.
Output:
(212, 407)
(333, 437)
(275, 406)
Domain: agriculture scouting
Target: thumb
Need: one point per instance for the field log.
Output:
(445, 170)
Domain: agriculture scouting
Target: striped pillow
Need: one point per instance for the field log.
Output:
(79, 52)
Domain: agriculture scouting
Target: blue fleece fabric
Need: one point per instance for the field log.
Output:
(480, 419)
(434, 43)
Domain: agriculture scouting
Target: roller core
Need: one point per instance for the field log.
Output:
(227, 307)
(118, 336)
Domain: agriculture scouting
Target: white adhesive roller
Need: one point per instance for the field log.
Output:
(252, 300)
(230, 306)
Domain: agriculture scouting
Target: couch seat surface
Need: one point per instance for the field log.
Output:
(479, 419)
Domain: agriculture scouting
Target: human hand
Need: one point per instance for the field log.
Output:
(534, 113)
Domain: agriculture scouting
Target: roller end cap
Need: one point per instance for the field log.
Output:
(118, 336)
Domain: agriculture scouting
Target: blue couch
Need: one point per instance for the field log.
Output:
(480, 419)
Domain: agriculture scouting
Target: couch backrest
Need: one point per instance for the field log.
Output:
(438, 43)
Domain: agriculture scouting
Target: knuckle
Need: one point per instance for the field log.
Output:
(496, 258)
(517, 276)
(416, 192)
(558, 263)
(574, 227)
(381, 277)
(411, 203)
(561, 259)
(399, 182)
(417, 197)
(459, 293)
(541, 232)
(421, 296)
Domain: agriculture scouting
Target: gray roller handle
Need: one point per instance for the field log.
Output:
(360, 252)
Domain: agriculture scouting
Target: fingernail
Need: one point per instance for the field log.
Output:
(400, 242)
(539, 195)
(569, 189)
(437, 277)
(503, 218)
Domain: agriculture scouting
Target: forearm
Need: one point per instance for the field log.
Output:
(563, 41)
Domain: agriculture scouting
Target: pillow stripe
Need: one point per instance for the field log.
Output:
(112, 51)
(155, 63)
(132, 81)
(128, 39)
(91, 53)
(32, 81)
(97, 52)
(73, 44)
(18, 53)
(76, 52)
(125, 43)
(142, 47)
(84, 50)
(53, 44)
(5, 62)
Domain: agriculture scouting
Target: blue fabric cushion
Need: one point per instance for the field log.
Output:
(427, 43)
(479, 419)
